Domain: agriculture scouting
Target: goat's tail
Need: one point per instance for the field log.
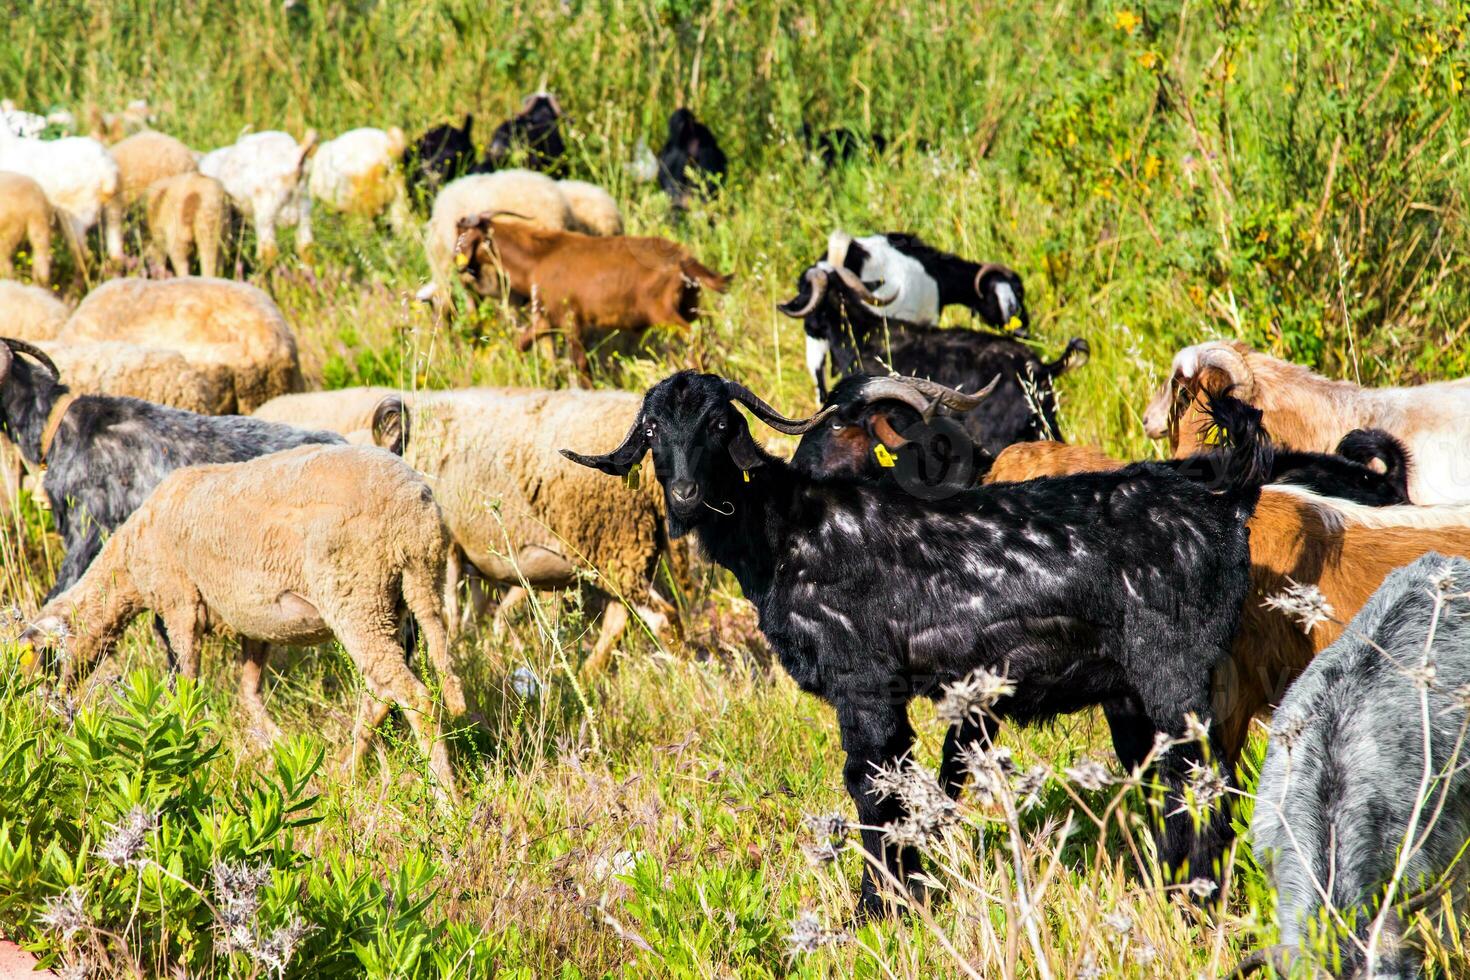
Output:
(390, 424)
(698, 271)
(1247, 452)
(1076, 355)
(1377, 450)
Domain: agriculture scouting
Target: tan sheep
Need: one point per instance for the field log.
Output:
(142, 160)
(293, 548)
(515, 193)
(153, 374)
(212, 322)
(25, 215)
(31, 312)
(513, 505)
(184, 211)
(594, 212)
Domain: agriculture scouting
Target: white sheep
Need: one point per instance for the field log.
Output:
(594, 212)
(295, 548)
(519, 193)
(359, 172)
(25, 215)
(216, 324)
(77, 174)
(186, 211)
(264, 174)
(519, 511)
(142, 159)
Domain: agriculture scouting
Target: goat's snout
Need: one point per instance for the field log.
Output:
(684, 492)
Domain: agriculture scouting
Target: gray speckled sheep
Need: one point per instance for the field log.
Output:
(25, 216)
(213, 323)
(320, 542)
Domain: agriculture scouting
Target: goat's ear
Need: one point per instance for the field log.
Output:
(621, 460)
(743, 449)
(884, 431)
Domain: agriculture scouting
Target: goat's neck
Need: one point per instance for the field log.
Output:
(26, 411)
(955, 278)
(747, 541)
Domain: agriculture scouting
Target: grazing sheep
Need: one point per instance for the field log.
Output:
(142, 160)
(1297, 537)
(104, 454)
(1114, 587)
(18, 122)
(296, 548)
(25, 216)
(594, 212)
(111, 127)
(215, 323)
(576, 283)
(359, 172)
(264, 174)
(516, 194)
(31, 312)
(444, 153)
(1359, 742)
(186, 212)
(77, 174)
(534, 133)
(691, 162)
(1309, 412)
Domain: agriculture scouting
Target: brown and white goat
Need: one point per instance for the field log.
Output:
(1305, 411)
(1296, 536)
(576, 283)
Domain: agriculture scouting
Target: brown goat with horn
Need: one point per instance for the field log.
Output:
(576, 283)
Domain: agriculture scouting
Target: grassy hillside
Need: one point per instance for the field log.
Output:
(1293, 174)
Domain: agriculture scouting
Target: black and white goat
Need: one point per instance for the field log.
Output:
(104, 454)
(691, 162)
(1120, 588)
(842, 329)
(535, 130)
(1365, 780)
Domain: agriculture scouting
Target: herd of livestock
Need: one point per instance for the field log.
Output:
(931, 529)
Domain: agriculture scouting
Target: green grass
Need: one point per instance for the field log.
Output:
(1158, 174)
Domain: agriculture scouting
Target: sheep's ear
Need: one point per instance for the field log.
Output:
(391, 425)
(621, 460)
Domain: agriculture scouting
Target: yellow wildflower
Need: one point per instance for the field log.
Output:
(1126, 21)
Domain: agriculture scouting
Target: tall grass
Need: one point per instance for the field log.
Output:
(1159, 173)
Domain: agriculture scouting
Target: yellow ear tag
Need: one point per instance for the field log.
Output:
(634, 479)
(746, 474)
(27, 657)
(461, 260)
(1212, 436)
(885, 458)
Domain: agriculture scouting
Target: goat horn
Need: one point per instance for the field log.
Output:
(923, 395)
(1233, 363)
(768, 415)
(21, 347)
(817, 279)
(986, 268)
(851, 281)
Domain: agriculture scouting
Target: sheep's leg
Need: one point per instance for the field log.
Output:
(178, 254)
(423, 594)
(39, 235)
(266, 248)
(181, 624)
(952, 772)
(304, 240)
(206, 243)
(614, 621)
(876, 732)
(388, 678)
(113, 213)
(76, 240)
(253, 656)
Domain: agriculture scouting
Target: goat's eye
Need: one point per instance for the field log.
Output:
(719, 425)
(648, 432)
(838, 426)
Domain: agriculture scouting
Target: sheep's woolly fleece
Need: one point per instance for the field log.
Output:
(31, 312)
(77, 174)
(151, 373)
(184, 211)
(211, 322)
(357, 172)
(25, 215)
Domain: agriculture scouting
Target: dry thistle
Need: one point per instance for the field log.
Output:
(1443, 579)
(1289, 729)
(276, 950)
(831, 831)
(1201, 888)
(1090, 775)
(1204, 788)
(126, 839)
(1088, 968)
(988, 770)
(1304, 603)
(1195, 729)
(65, 914)
(77, 969)
(969, 699)
(1423, 675)
(1029, 786)
(1119, 922)
(809, 935)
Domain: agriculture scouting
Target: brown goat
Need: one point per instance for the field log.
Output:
(576, 283)
(1344, 549)
(1305, 411)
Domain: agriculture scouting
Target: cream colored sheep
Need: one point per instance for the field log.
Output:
(153, 374)
(77, 174)
(212, 322)
(594, 212)
(25, 215)
(359, 173)
(523, 193)
(142, 160)
(186, 211)
(293, 548)
(31, 312)
(344, 410)
(265, 176)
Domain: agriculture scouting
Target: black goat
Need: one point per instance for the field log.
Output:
(691, 161)
(1370, 467)
(841, 330)
(536, 130)
(1121, 588)
(439, 156)
(104, 454)
(837, 146)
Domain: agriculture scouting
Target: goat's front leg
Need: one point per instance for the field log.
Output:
(952, 772)
(873, 735)
(1132, 730)
(1191, 844)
